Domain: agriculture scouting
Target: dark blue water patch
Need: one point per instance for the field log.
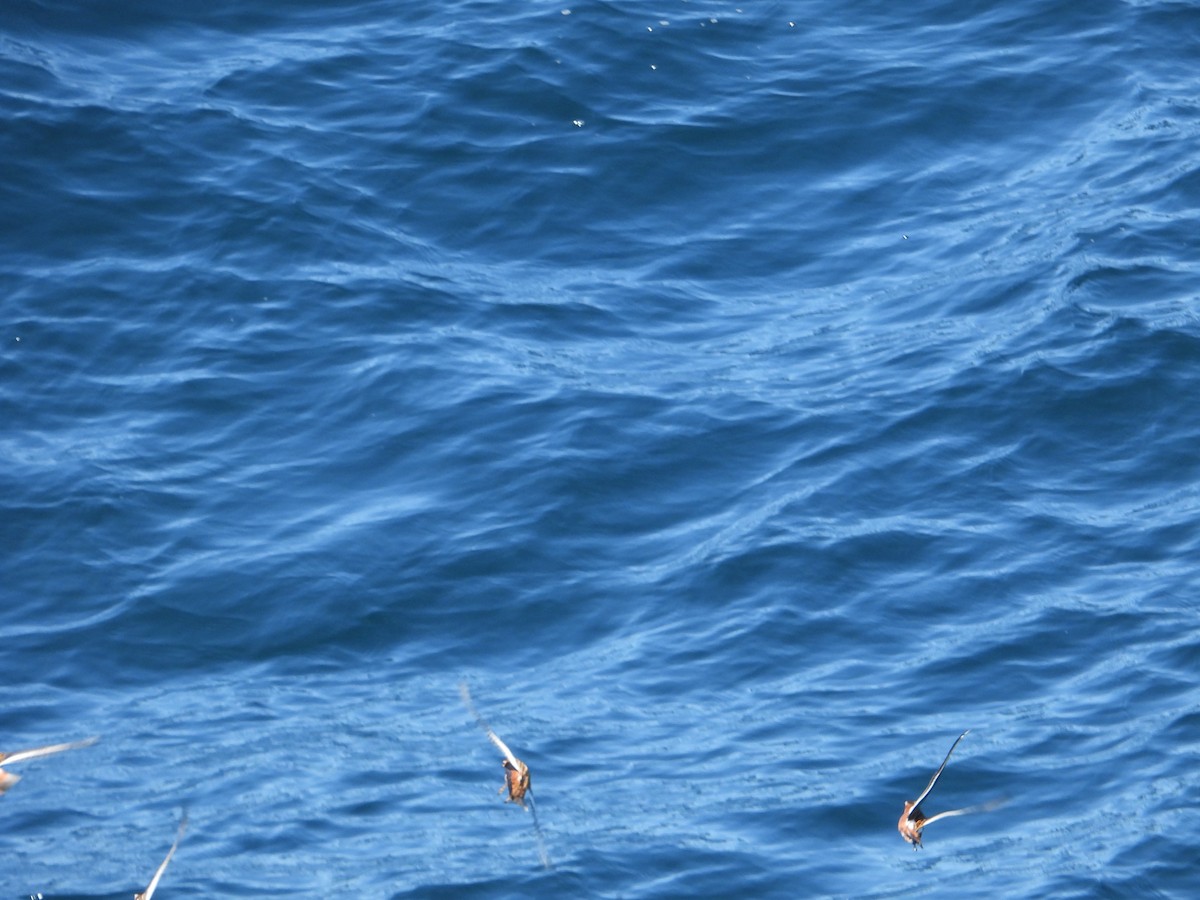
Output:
(145, 21)
(745, 403)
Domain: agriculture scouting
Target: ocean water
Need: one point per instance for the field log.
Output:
(743, 400)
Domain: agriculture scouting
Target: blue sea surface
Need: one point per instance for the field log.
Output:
(743, 401)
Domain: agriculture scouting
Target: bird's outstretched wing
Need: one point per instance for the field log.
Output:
(932, 781)
(543, 853)
(977, 808)
(492, 736)
(149, 892)
(22, 755)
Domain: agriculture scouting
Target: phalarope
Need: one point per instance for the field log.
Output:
(516, 774)
(913, 820)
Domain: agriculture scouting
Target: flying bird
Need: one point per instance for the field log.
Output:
(8, 779)
(913, 820)
(149, 892)
(516, 774)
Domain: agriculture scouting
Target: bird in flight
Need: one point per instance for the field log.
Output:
(516, 774)
(149, 891)
(8, 779)
(913, 820)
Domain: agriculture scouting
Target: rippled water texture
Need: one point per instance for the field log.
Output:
(744, 401)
